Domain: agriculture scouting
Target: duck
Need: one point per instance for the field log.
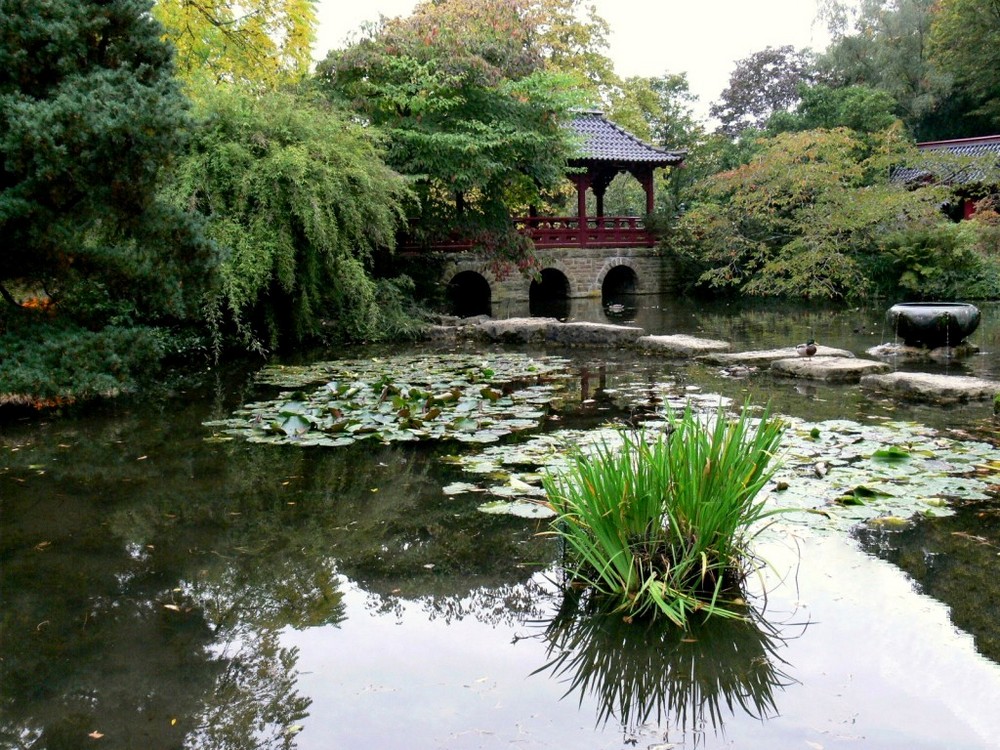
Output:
(807, 349)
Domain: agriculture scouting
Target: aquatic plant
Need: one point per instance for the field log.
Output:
(663, 522)
(463, 398)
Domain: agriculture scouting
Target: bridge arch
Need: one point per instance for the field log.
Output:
(618, 277)
(550, 294)
(469, 293)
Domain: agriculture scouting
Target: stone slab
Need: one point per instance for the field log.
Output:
(594, 334)
(517, 330)
(828, 369)
(940, 389)
(764, 357)
(689, 346)
(904, 353)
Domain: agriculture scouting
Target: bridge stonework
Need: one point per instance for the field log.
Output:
(584, 268)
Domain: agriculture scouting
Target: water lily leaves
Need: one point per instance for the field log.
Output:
(892, 453)
(466, 398)
(860, 495)
(859, 486)
(521, 509)
(460, 488)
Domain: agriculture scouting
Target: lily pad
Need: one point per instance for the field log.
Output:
(521, 509)
(471, 399)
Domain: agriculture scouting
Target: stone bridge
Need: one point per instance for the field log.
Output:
(567, 273)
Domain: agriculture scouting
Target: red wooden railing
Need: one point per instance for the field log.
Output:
(564, 231)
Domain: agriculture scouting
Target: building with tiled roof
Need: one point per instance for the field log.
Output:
(606, 150)
(971, 165)
(602, 141)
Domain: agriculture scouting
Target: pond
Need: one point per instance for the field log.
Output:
(167, 584)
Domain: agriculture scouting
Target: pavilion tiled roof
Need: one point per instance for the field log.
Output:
(603, 140)
(987, 144)
(969, 160)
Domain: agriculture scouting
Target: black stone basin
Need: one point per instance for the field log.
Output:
(933, 324)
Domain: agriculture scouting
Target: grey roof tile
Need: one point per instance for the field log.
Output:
(968, 160)
(603, 140)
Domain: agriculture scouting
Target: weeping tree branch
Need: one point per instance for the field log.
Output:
(5, 293)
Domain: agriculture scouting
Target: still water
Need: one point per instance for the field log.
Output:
(163, 590)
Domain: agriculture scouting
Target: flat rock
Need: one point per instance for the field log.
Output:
(829, 369)
(440, 332)
(689, 346)
(593, 334)
(765, 357)
(904, 353)
(940, 389)
(517, 330)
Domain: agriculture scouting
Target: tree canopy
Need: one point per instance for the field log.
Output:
(807, 217)
(860, 108)
(468, 108)
(89, 114)
(300, 200)
(761, 84)
(938, 60)
(965, 42)
(263, 43)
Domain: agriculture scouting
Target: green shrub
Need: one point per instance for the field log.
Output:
(663, 524)
(946, 261)
(48, 363)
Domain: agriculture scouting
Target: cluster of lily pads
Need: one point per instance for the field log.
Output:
(843, 472)
(467, 398)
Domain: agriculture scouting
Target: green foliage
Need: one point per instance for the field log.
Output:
(468, 108)
(44, 362)
(805, 217)
(965, 42)
(938, 60)
(663, 524)
(89, 112)
(572, 38)
(860, 108)
(946, 261)
(262, 43)
(658, 110)
(298, 199)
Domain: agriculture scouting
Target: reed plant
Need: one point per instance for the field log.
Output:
(663, 522)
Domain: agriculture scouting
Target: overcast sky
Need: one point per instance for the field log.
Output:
(648, 37)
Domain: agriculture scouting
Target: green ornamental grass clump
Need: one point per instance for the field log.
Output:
(663, 523)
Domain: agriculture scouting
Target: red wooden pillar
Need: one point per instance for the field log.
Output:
(582, 183)
(647, 185)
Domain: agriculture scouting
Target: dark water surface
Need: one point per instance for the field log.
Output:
(161, 590)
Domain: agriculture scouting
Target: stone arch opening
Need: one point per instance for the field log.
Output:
(618, 281)
(469, 294)
(549, 295)
(618, 294)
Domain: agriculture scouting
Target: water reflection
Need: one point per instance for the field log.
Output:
(954, 559)
(650, 672)
(151, 580)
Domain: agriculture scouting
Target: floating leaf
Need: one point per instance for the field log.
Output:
(892, 453)
(519, 508)
(460, 488)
